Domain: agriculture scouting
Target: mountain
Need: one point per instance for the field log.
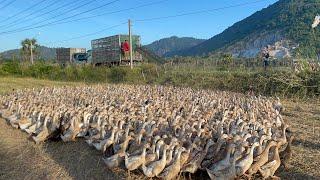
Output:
(285, 25)
(168, 46)
(45, 53)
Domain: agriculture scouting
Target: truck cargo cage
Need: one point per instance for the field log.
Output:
(107, 51)
(70, 55)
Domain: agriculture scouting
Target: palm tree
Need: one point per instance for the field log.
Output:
(27, 45)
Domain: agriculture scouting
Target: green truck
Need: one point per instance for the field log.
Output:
(107, 51)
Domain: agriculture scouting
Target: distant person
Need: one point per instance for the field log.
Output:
(122, 49)
(126, 49)
(265, 56)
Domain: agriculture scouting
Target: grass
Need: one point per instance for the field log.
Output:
(22, 159)
(276, 81)
(8, 84)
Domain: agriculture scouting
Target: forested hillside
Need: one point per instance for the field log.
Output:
(288, 20)
(168, 46)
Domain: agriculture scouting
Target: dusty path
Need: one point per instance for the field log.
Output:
(22, 159)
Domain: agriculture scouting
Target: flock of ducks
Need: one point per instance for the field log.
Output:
(160, 131)
(309, 66)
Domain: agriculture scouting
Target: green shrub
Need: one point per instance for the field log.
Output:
(11, 67)
(274, 82)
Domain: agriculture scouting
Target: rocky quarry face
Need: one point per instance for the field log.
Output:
(252, 46)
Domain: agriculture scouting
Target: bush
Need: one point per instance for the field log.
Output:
(11, 67)
(117, 75)
(278, 82)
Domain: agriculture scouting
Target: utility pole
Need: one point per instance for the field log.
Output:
(130, 42)
(31, 52)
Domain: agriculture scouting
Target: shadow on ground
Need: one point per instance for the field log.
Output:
(80, 160)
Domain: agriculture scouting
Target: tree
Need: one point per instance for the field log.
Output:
(26, 46)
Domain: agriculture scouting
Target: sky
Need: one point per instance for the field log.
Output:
(212, 17)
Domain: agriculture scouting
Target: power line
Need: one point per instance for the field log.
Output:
(184, 14)
(139, 20)
(87, 35)
(24, 10)
(2, 1)
(61, 14)
(108, 13)
(61, 7)
(113, 12)
(77, 7)
(51, 23)
(30, 14)
(198, 12)
(8, 4)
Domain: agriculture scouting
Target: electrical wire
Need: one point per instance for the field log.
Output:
(113, 12)
(24, 10)
(14, 23)
(66, 12)
(139, 20)
(2, 1)
(48, 24)
(87, 35)
(199, 12)
(8, 4)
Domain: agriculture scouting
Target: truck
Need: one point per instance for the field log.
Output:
(107, 51)
(71, 55)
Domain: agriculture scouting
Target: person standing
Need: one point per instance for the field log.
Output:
(126, 50)
(122, 49)
(265, 56)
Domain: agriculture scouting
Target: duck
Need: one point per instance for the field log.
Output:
(71, 132)
(44, 133)
(172, 171)
(286, 154)
(259, 149)
(225, 162)
(155, 168)
(25, 122)
(152, 156)
(121, 148)
(195, 163)
(114, 161)
(109, 141)
(243, 164)
(13, 120)
(268, 169)
(134, 162)
(227, 173)
(262, 159)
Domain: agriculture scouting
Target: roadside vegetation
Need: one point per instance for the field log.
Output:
(279, 81)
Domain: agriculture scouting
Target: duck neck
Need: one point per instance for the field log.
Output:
(252, 149)
(164, 154)
(178, 156)
(262, 140)
(276, 153)
(139, 138)
(207, 147)
(116, 138)
(112, 135)
(289, 144)
(144, 151)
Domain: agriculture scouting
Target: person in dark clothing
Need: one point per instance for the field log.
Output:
(266, 56)
(122, 49)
